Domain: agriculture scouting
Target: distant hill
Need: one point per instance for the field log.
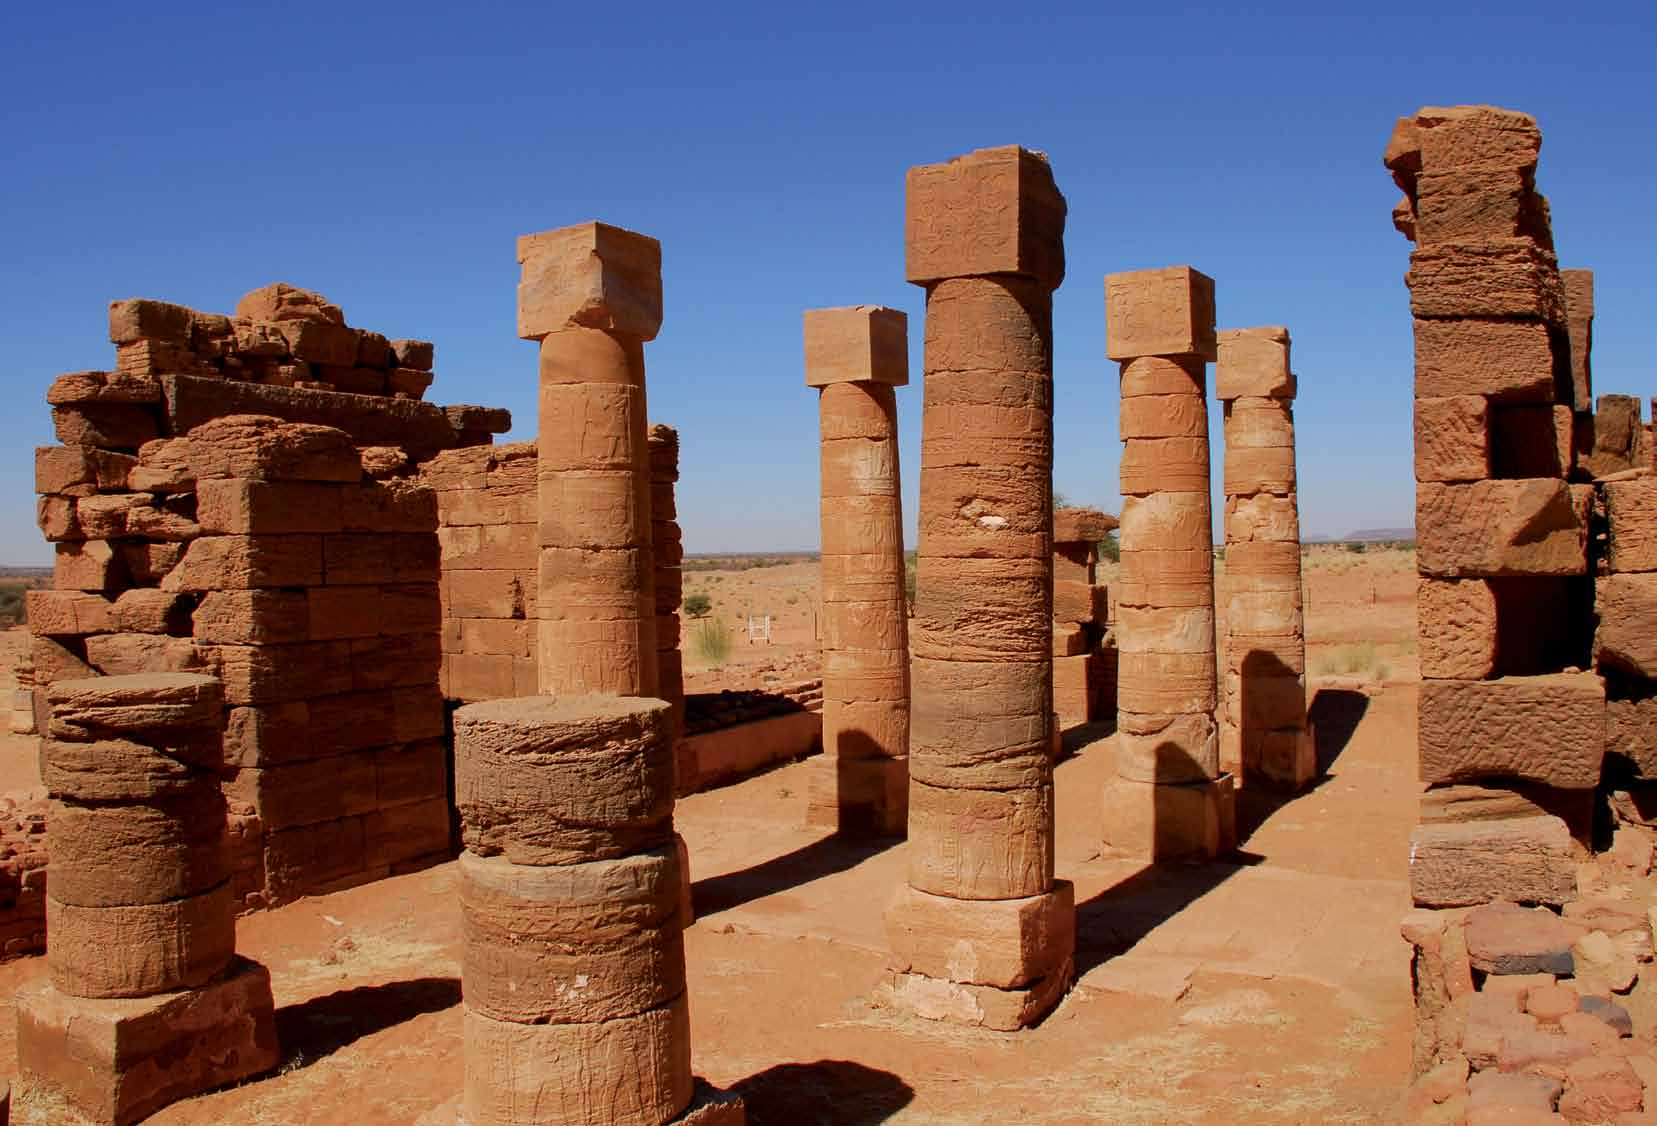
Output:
(1378, 535)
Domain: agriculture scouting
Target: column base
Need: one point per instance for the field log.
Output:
(709, 1106)
(1171, 821)
(977, 1006)
(994, 963)
(1285, 758)
(121, 1060)
(864, 797)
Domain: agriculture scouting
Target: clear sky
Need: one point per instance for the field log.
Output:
(388, 155)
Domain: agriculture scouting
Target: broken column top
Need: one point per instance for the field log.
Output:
(1081, 525)
(993, 211)
(1253, 363)
(856, 344)
(1441, 138)
(1164, 312)
(590, 275)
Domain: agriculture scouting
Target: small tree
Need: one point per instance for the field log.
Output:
(1110, 548)
(697, 605)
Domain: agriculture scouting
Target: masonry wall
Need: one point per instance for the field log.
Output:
(236, 497)
(486, 512)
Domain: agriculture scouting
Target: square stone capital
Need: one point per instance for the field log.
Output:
(1253, 362)
(993, 211)
(592, 275)
(856, 344)
(1165, 312)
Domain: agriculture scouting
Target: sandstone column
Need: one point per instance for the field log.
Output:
(147, 1002)
(592, 295)
(1263, 732)
(983, 933)
(1082, 674)
(856, 357)
(1169, 797)
(667, 548)
(573, 963)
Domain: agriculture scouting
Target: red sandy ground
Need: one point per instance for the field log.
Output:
(1272, 988)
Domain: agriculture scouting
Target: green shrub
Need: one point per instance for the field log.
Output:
(1357, 547)
(697, 605)
(711, 643)
(11, 602)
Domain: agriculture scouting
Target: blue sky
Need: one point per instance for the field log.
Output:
(388, 155)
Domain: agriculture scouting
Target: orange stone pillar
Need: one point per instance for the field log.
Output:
(147, 1002)
(1263, 732)
(1169, 797)
(983, 933)
(856, 357)
(592, 296)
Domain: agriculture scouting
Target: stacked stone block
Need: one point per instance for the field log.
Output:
(591, 296)
(1624, 649)
(486, 514)
(1263, 732)
(147, 1002)
(573, 964)
(1084, 650)
(856, 357)
(1510, 734)
(982, 933)
(1169, 797)
(667, 548)
(23, 860)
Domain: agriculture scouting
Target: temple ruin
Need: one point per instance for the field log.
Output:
(307, 630)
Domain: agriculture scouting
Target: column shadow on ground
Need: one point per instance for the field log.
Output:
(1334, 715)
(823, 1093)
(825, 857)
(311, 1030)
(1114, 921)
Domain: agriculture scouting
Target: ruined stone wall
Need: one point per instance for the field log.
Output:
(1510, 741)
(220, 503)
(1084, 648)
(486, 524)
(22, 876)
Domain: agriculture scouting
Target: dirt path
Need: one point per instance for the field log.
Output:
(1273, 990)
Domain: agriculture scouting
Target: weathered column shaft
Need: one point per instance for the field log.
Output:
(667, 557)
(855, 357)
(985, 236)
(1169, 797)
(1263, 732)
(147, 1002)
(591, 296)
(571, 874)
(1083, 675)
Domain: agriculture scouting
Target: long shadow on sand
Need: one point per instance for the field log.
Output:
(820, 858)
(824, 1093)
(1334, 715)
(1114, 921)
(312, 1029)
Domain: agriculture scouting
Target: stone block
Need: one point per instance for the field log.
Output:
(1631, 513)
(270, 674)
(863, 797)
(1504, 938)
(1471, 204)
(975, 1006)
(126, 854)
(1163, 312)
(1457, 624)
(981, 844)
(1164, 821)
(1167, 748)
(1546, 729)
(1486, 278)
(1004, 943)
(110, 426)
(991, 211)
(1625, 641)
(306, 793)
(152, 611)
(131, 706)
(1451, 137)
(1531, 441)
(563, 779)
(245, 562)
(119, 1061)
(138, 319)
(1452, 439)
(141, 949)
(1156, 465)
(236, 506)
(611, 924)
(78, 388)
(265, 448)
(1579, 320)
(370, 420)
(362, 558)
(125, 654)
(1617, 437)
(633, 1069)
(303, 859)
(858, 343)
(1525, 859)
(409, 835)
(1082, 526)
(591, 275)
(1489, 528)
(280, 302)
(1502, 360)
(1253, 362)
(67, 613)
